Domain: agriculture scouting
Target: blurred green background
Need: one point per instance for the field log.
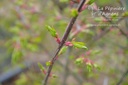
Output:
(25, 41)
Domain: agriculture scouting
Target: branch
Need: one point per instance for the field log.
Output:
(122, 78)
(77, 77)
(65, 36)
(22, 18)
(107, 30)
(121, 30)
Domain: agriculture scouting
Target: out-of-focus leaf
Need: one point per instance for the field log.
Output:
(125, 14)
(19, 2)
(32, 47)
(41, 67)
(94, 52)
(22, 80)
(62, 50)
(79, 61)
(96, 66)
(16, 56)
(36, 40)
(63, 1)
(15, 29)
(24, 43)
(89, 67)
(54, 76)
(89, 2)
(48, 63)
(98, 19)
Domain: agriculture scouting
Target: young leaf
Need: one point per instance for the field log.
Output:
(52, 31)
(96, 66)
(94, 52)
(89, 67)
(79, 61)
(16, 56)
(63, 1)
(79, 45)
(41, 67)
(62, 50)
(48, 63)
(54, 76)
(15, 29)
(74, 12)
(98, 19)
(32, 47)
(125, 14)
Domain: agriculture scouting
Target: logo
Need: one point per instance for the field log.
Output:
(107, 11)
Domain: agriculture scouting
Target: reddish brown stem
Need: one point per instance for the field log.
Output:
(64, 38)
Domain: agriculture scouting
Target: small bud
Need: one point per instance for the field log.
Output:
(54, 76)
(84, 7)
(74, 12)
(58, 40)
(68, 44)
(48, 63)
(79, 61)
(88, 52)
(44, 72)
(88, 61)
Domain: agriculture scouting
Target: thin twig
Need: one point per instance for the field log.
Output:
(121, 30)
(106, 31)
(22, 17)
(76, 76)
(122, 78)
(65, 36)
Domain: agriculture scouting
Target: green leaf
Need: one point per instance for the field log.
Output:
(19, 2)
(79, 45)
(89, 67)
(54, 76)
(41, 67)
(48, 63)
(16, 56)
(62, 50)
(94, 52)
(98, 19)
(63, 1)
(32, 47)
(125, 14)
(24, 43)
(79, 61)
(71, 57)
(15, 29)
(96, 66)
(89, 2)
(74, 12)
(52, 31)
(36, 39)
